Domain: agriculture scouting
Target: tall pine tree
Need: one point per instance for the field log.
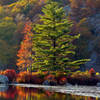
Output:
(52, 41)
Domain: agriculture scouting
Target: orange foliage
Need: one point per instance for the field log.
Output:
(27, 77)
(1, 72)
(23, 77)
(25, 51)
(27, 28)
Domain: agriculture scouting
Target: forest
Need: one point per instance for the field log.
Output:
(49, 35)
(16, 14)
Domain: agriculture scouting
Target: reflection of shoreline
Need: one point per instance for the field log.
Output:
(28, 93)
(3, 87)
(91, 91)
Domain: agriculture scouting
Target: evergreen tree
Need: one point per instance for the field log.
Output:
(52, 41)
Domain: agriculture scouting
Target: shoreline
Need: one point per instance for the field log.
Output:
(91, 91)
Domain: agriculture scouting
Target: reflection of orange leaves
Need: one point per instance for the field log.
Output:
(48, 93)
(34, 94)
(22, 92)
(3, 94)
(26, 92)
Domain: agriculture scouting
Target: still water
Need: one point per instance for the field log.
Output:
(35, 93)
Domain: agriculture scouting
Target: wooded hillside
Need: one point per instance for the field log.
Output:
(15, 14)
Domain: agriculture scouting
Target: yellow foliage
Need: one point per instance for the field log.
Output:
(80, 74)
(12, 5)
(1, 9)
(8, 18)
(97, 73)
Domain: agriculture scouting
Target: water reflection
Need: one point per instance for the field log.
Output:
(3, 87)
(22, 93)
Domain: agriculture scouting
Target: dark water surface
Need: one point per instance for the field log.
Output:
(35, 93)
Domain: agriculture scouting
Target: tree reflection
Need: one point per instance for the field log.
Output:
(22, 93)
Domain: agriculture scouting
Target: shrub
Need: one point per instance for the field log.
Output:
(27, 77)
(78, 74)
(92, 72)
(83, 78)
(36, 78)
(97, 73)
(11, 74)
(61, 78)
(62, 81)
(79, 77)
(1, 72)
(49, 77)
(23, 77)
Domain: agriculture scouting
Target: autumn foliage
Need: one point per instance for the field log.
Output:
(10, 73)
(23, 77)
(27, 77)
(24, 93)
(92, 72)
(25, 52)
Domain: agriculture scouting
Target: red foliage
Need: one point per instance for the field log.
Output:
(48, 93)
(11, 74)
(50, 77)
(91, 71)
(62, 80)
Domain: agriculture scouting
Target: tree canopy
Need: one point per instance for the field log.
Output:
(53, 41)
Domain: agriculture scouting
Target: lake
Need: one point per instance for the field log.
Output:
(37, 92)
